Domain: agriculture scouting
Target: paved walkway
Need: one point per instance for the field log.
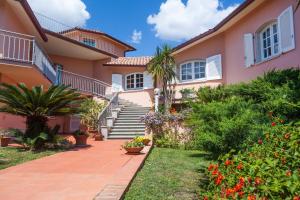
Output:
(100, 172)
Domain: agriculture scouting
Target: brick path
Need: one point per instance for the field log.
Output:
(101, 172)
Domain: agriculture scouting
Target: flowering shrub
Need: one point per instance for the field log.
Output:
(269, 169)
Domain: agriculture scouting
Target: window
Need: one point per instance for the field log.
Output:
(89, 42)
(135, 81)
(192, 71)
(269, 41)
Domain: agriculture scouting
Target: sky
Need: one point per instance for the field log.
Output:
(144, 24)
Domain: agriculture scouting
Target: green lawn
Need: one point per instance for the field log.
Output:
(10, 156)
(169, 174)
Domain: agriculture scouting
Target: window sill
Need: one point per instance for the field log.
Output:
(268, 59)
(191, 81)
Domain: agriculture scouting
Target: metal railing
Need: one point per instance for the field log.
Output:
(25, 49)
(85, 84)
(107, 111)
(70, 32)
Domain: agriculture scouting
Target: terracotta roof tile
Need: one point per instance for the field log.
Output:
(130, 61)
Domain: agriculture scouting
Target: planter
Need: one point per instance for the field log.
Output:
(98, 137)
(133, 150)
(81, 140)
(146, 142)
(4, 141)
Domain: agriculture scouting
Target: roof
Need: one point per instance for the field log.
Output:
(99, 33)
(130, 61)
(33, 19)
(238, 10)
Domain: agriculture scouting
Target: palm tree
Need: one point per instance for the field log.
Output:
(298, 4)
(36, 105)
(162, 69)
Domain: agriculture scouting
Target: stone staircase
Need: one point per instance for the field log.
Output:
(128, 124)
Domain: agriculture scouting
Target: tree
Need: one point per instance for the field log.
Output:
(36, 105)
(162, 69)
(298, 4)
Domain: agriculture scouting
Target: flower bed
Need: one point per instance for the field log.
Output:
(269, 169)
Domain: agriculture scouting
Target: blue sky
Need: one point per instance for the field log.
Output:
(170, 21)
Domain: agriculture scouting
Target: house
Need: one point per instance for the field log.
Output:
(258, 36)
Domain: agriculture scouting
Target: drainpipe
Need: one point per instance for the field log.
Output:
(156, 98)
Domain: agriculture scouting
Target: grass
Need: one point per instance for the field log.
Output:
(169, 174)
(11, 156)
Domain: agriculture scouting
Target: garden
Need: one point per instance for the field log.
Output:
(250, 136)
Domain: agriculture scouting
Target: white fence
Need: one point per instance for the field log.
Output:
(23, 48)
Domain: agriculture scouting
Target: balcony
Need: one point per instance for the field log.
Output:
(90, 39)
(24, 49)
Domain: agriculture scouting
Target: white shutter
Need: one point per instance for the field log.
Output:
(117, 82)
(148, 80)
(214, 67)
(249, 49)
(286, 29)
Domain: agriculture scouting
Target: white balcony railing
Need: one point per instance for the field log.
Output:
(85, 84)
(69, 32)
(25, 49)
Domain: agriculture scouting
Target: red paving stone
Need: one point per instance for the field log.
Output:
(101, 171)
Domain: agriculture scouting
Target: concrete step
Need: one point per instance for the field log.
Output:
(136, 130)
(115, 127)
(111, 137)
(129, 124)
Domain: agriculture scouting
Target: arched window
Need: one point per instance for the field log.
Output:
(135, 81)
(269, 40)
(192, 70)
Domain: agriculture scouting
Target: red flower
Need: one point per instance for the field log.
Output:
(227, 162)
(238, 187)
(215, 172)
(242, 180)
(296, 198)
(287, 136)
(240, 166)
(251, 197)
(249, 179)
(211, 167)
(205, 198)
(288, 173)
(229, 192)
(241, 194)
(219, 179)
(260, 141)
(257, 181)
(273, 124)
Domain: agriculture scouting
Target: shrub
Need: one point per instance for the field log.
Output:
(269, 169)
(227, 117)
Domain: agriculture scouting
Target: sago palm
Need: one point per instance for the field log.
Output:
(162, 69)
(36, 105)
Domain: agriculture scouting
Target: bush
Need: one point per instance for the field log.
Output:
(269, 169)
(227, 117)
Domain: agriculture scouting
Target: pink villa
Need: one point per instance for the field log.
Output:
(258, 36)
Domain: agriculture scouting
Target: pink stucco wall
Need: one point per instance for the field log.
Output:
(140, 97)
(234, 44)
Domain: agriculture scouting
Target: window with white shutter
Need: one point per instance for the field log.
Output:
(214, 67)
(148, 80)
(286, 29)
(117, 82)
(249, 49)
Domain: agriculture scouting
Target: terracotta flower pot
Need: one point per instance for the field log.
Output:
(4, 141)
(146, 142)
(133, 150)
(81, 140)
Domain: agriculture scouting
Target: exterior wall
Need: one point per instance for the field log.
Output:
(140, 97)
(234, 43)
(81, 67)
(101, 42)
(9, 21)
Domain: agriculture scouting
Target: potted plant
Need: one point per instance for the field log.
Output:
(4, 140)
(145, 140)
(81, 137)
(90, 111)
(133, 147)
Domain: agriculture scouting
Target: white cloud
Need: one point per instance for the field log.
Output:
(70, 12)
(178, 21)
(136, 36)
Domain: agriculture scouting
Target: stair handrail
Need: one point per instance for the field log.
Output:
(107, 111)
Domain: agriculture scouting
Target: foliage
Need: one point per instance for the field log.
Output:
(80, 133)
(90, 111)
(37, 105)
(168, 174)
(133, 143)
(143, 139)
(162, 69)
(227, 117)
(269, 169)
